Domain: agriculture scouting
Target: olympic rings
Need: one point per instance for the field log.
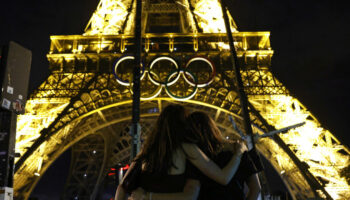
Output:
(211, 77)
(189, 76)
(121, 59)
(156, 82)
(184, 98)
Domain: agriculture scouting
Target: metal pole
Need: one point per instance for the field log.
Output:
(236, 67)
(240, 87)
(135, 127)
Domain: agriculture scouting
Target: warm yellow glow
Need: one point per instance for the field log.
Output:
(222, 45)
(60, 46)
(195, 43)
(280, 110)
(147, 44)
(311, 143)
(109, 17)
(209, 16)
(40, 113)
(122, 45)
(171, 43)
(307, 141)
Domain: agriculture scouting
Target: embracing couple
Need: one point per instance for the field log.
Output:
(186, 157)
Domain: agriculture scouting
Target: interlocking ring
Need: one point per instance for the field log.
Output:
(210, 78)
(162, 78)
(121, 59)
(152, 95)
(183, 98)
(159, 82)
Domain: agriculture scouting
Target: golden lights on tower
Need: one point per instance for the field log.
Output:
(109, 17)
(325, 156)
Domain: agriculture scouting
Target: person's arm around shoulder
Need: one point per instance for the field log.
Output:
(209, 168)
(254, 187)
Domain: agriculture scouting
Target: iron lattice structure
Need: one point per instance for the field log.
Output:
(86, 100)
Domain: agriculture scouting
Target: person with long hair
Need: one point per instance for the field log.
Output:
(163, 158)
(209, 139)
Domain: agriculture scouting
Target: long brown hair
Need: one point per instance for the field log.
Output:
(167, 136)
(205, 133)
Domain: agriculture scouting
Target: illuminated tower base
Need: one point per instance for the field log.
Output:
(185, 60)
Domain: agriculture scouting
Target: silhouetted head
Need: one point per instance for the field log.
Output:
(167, 136)
(205, 133)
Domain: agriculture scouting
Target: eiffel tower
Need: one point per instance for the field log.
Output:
(85, 103)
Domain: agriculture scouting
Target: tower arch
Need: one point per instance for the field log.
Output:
(85, 85)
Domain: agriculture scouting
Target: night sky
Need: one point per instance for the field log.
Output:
(311, 41)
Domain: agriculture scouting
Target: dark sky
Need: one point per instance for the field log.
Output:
(311, 40)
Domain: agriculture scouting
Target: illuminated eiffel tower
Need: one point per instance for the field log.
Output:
(85, 103)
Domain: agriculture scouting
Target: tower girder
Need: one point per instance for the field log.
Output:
(67, 107)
